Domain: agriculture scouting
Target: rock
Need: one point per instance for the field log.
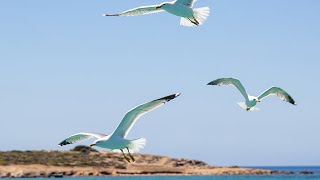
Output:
(105, 173)
(84, 149)
(234, 167)
(68, 173)
(4, 175)
(306, 172)
(281, 172)
(55, 175)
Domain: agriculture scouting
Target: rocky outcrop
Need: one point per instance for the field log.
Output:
(86, 162)
(24, 171)
(306, 172)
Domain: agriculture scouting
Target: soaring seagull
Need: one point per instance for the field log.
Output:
(251, 101)
(117, 140)
(181, 8)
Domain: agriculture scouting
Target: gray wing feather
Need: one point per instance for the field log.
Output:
(80, 137)
(233, 82)
(283, 95)
(188, 3)
(133, 115)
(138, 11)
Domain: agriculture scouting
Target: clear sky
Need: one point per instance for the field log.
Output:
(65, 69)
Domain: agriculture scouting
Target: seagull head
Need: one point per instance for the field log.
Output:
(162, 5)
(256, 99)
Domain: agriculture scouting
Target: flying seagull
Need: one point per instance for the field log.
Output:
(181, 8)
(251, 101)
(117, 140)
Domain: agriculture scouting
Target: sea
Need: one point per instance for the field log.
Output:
(295, 176)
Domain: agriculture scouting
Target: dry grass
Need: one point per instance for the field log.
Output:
(83, 157)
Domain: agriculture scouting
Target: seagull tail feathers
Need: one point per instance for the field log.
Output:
(255, 109)
(242, 105)
(137, 144)
(186, 22)
(200, 15)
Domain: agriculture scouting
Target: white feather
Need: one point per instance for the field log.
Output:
(201, 14)
(134, 146)
(242, 105)
(254, 109)
(186, 22)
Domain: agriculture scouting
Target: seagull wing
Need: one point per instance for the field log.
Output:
(188, 3)
(278, 92)
(80, 137)
(139, 11)
(233, 82)
(133, 115)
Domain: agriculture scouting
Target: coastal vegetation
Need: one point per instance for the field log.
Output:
(85, 161)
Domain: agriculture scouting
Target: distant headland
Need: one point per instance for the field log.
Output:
(84, 161)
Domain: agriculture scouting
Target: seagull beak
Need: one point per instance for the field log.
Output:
(92, 145)
(158, 7)
(258, 100)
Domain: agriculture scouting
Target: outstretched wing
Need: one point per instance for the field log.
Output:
(80, 137)
(139, 11)
(188, 3)
(233, 82)
(278, 92)
(133, 115)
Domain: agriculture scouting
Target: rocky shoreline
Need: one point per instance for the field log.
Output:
(88, 162)
(31, 171)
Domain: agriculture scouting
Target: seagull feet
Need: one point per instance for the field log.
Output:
(125, 157)
(128, 159)
(248, 109)
(132, 158)
(194, 21)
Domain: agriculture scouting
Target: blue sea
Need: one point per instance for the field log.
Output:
(296, 176)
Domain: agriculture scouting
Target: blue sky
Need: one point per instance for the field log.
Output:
(65, 69)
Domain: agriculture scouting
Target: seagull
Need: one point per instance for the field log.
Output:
(251, 101)
(181, 8)
(117, 140)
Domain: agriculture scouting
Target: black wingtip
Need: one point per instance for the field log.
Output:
(170, 97)
(63, 143)
(218, 81)
(291, 100)
(110, 15)
(293, 103)
(213, 83)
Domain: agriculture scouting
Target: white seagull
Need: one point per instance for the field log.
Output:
(117, 140)
(251, 101)
(181, 8)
